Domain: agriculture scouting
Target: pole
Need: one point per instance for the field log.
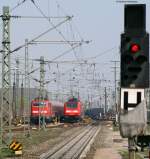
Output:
(6, 106)
(100, 101)
(115, 91)
(149, 151)
(22, 100)
(14, 98)
(17, 85)
(41, 90)
(27, 86)
(39, 118)
(131, 148)
(105, 101)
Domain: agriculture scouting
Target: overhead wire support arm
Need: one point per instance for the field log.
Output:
(40, 35)
(65, 62)
(39, 17)
(124, 1)
(61, 34)
(57, 42)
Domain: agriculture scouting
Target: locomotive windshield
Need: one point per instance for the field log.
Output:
(72, 104)
(73, 100)
(39, 104)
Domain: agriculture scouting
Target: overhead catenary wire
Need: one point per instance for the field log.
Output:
(54, 60)
(93, 57)
(37, 37)
(54, 27)
(102, 53)
(40, 35)
(38, 8)
(65, 13)
(73, 37)
(17, 5)
(66, 52)
(61, 34)
(60, 7)
(77, 30)
(29, 74)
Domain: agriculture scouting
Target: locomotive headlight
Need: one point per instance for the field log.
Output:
(35, 111)
(75, 111)
(44, 111)
(68, 111)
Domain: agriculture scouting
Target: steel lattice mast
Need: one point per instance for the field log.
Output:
(6, 111)
(27, 86)
(17, 86)
(41, 90)
(42, 78)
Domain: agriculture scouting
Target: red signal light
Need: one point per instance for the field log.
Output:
(134, 48)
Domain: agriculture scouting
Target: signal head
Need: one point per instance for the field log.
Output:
(135, 61)
(134, 48)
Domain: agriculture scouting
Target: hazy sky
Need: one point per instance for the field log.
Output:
(100, 21)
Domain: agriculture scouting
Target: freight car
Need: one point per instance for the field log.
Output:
(45, 110)
(73, 110)
(95, 113)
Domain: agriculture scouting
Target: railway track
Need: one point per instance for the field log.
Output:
(74, 147)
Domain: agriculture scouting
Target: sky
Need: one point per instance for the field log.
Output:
(99, 21)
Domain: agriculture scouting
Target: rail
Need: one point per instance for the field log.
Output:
(74, 147)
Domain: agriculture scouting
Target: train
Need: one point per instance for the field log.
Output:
(73, 110)
(45, 110)
(95, 113)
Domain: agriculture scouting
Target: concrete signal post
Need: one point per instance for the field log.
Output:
(134, 74)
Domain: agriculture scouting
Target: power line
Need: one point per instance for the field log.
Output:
(102, 53)
(40, 35)
(17, 5)
(62, 9)
(66, 52)
(61, 34)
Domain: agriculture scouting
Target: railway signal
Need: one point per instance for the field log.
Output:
(134, 56)
(134, 74)
(135, 48)
(135, 60)
(134, 70)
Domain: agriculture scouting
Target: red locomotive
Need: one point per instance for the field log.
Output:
(46, 110)
(73, 110)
